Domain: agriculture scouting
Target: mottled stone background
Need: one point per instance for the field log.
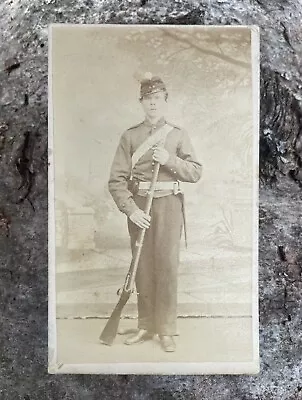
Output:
(23, 199)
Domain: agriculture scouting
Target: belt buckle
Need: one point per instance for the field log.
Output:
(176, 188)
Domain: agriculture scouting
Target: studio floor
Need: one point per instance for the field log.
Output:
(199, 340)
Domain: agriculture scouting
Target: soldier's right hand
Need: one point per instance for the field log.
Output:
(141, 219)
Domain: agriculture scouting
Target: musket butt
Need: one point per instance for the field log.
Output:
(107, 342)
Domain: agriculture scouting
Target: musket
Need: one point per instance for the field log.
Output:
(110, 330)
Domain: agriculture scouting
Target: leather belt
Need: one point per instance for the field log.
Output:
(176, 187)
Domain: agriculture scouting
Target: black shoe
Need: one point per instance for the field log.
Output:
(141, 336)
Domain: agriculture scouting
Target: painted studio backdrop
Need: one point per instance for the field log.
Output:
(95, 95)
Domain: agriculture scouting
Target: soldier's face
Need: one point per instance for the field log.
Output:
(154, 104)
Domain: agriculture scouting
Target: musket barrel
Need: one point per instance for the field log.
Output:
(140, 240)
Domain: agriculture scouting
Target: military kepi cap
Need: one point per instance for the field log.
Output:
(151, 84)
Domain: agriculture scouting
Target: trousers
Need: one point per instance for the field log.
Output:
(156, 278)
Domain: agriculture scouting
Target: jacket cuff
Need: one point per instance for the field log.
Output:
(129, 207)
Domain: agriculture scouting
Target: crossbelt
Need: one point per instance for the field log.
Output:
(161, 185)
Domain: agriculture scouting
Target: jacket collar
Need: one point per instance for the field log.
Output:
(161, 122)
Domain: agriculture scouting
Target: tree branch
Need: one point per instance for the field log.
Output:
(178, 51)
(213, 53)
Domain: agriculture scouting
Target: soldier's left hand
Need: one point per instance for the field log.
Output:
(160, 155)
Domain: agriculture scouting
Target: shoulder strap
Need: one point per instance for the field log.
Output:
(158, 136)
(135, 126)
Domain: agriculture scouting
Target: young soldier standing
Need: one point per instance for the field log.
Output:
(154, 140)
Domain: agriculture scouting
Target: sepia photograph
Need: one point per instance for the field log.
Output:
(153, 199)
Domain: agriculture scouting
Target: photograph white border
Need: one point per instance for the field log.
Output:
(203, 368)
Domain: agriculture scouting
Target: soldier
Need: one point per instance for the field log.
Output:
(154, 140)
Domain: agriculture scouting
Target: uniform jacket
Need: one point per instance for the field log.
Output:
(182, 164)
